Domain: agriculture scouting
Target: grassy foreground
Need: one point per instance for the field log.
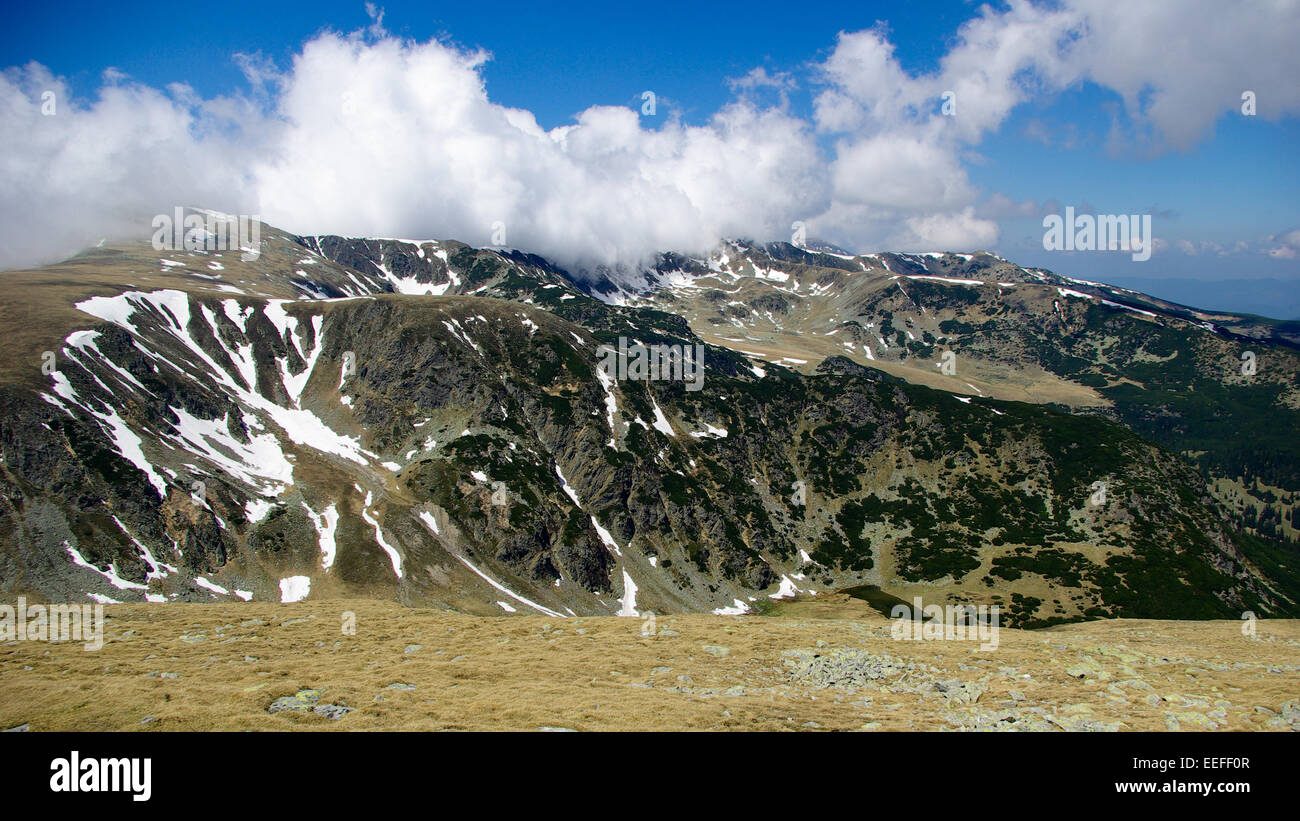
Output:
(825, 664)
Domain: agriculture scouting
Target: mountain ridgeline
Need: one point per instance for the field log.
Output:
(430, 422)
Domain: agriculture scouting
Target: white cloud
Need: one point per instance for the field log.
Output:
(1285, 246)
(1177, 66)
(371, 134)
(961, 229)
(378, 136)
(87, 171)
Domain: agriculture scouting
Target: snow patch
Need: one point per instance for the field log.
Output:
(294, 589)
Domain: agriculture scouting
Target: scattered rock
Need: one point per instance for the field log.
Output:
(299, 702)
(1189, 720)
(1087, 668)
(308, 701)
(1083, 724)
(331, 711)
(843, 667)
(960, 692)
(1290, 714)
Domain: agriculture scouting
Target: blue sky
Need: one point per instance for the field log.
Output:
(1067, 136)
(555, 59)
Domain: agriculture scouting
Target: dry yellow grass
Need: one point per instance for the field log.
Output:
(697, 672)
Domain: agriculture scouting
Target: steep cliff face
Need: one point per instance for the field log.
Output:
(431, 422)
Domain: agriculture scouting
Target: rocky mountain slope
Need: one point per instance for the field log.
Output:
(428, 422)
(1222, 390)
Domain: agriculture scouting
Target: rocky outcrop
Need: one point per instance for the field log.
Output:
(464, 450)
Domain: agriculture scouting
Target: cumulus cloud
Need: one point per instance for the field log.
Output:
(377, 136)
(73, 173)
(1176, 66)
(369, 134)
(1179, 66)
(408, 132)
(1283, 246)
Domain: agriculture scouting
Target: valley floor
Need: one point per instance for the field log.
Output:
(827, 664)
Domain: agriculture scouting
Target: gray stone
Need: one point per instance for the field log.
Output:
(331, 711)
(843, 667)
(299, 702)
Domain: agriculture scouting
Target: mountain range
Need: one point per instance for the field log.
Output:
(430, 422)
